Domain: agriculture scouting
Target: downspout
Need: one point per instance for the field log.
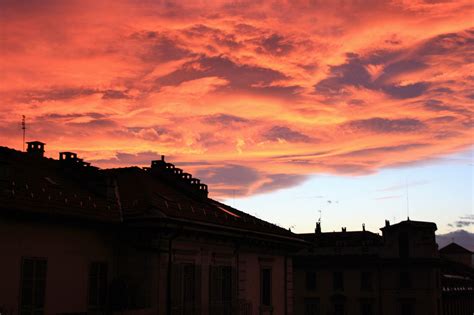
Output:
(286, 284)
(170, 270)
(237, 275)
(380, 287)
(168, 279)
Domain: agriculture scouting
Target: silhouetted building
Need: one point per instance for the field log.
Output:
(457, 253)
(363, 273)
(76, 239)
(457, 280)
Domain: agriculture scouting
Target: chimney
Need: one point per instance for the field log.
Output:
(387, 223)
(318, 228)
(363, 227)
(35, 148)
(343, 229)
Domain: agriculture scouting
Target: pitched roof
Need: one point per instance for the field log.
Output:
(347, 238)
(454, 248)
(38, 185)
(72, 188)
(145, 193)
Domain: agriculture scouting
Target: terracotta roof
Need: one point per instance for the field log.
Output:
(148, 194)
(454, 248)
(50, 187)
(71, 187)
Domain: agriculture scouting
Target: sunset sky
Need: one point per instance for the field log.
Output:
(283, 108)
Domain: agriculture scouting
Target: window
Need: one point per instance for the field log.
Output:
(405, 280)
(97, 285)
(403, 246)
(33, 286)
(407, 307)
(266, 287)
(311, 306)
(366, 281)
(185, 288)
(366, 308)
(338, 280)
(222, 289)
(310, 280)
(339, 308)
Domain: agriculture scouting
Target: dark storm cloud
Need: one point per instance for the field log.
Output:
(127, 159)
(224, 119)
(275, 45)
(237, 180)
(158, 47)
(406, 91)
(354, 72)
(281, 181)
(71, 116)
(54, 94)
(240, 76)
(94, 123)
(229, 175)
(385, 125)
(277, 133)
(114, 94)
(382, 150)
(464, 221)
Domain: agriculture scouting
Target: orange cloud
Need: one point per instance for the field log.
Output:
(251, 97)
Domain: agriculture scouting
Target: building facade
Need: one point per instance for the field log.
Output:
(76, 239)
(363, 273)
(457, 280)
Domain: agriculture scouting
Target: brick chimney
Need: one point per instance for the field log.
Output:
(35, 148)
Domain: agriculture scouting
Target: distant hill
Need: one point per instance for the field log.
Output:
(461, 237)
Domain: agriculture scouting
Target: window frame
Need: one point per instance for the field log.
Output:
(101, 296)
(263, 301)
(335, 285)
(311, 280)
(33, 307)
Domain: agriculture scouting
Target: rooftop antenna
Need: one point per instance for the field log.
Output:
(408, 204)
(23, 127)
(320, 215)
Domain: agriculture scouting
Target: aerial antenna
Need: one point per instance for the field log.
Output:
(408, 204)
(23, 127)
(320, 215)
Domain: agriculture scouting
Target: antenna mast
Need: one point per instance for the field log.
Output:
(23, 127)
(408, 204)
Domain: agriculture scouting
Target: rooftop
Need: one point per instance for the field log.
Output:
(454, 248)
(70, 187)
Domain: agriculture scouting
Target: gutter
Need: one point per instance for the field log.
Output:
(210, 228)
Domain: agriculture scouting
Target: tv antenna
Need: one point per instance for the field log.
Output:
(320, 215)
(408, 204)
(23, 127)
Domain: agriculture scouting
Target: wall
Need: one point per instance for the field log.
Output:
(68, 249)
